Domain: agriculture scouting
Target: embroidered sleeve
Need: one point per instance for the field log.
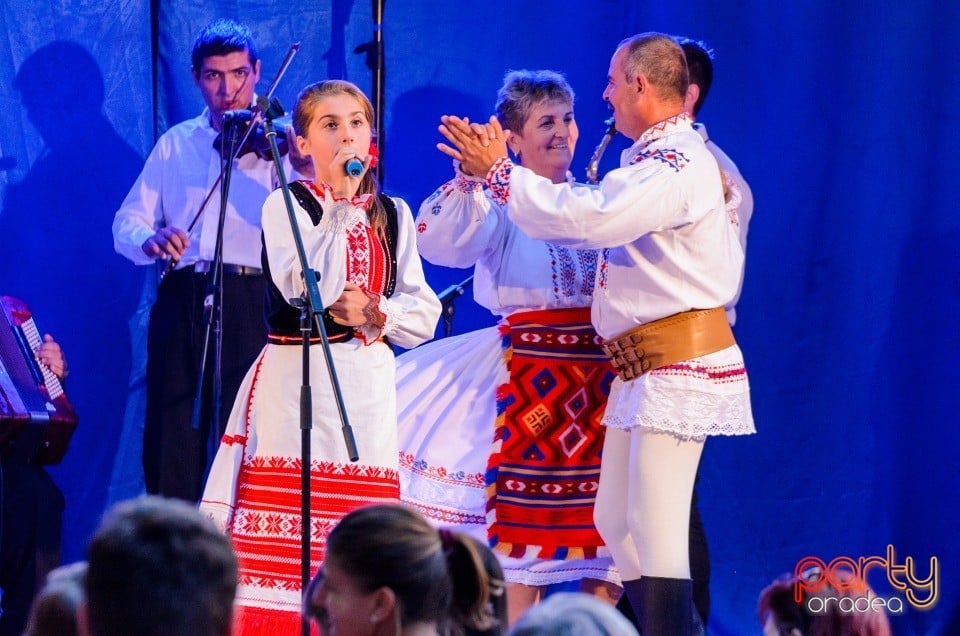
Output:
(460, 224)
(732, 196)
(630, 202)
(413, 310)
(498, 178)
(379, 318)
(466, 182)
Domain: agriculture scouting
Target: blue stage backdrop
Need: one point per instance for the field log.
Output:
(837, 115)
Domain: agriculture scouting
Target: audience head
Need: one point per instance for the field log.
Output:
(54, 610)
(781, 615)
(700, 66)
(387, 570)
(157, 567)
(537, 107)
(497, 603)
(572, 614)
(647, 82)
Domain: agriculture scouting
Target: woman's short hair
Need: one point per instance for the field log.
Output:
(522, 89)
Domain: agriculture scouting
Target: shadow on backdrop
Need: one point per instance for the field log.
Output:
(414, 168)
(57, 221)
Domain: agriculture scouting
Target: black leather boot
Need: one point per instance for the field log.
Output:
(663, 606)
(631, 590)
(698, 629)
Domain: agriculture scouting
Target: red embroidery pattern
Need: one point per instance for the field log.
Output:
(410, 462)
(367, 263)
(675, 159)
(499, 180)
(266, 527)
(445, 517)
(722, 374)
(468, 185)
(602, 269)
(366, 258)
(242, 439)
(664, 127)
(360, 200)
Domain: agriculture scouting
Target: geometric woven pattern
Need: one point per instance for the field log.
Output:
(266, 527)
(544, 468)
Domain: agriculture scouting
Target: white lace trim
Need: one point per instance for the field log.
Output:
(394, 313)
(683, 412)
(694, 399)
(340, 216)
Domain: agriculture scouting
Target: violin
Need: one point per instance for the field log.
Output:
(255, 142)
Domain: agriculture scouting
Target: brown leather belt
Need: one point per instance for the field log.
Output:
(669, 340)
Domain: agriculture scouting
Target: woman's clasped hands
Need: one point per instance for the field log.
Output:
(476, 146)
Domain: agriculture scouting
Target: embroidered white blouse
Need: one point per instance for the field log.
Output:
(413, 309)
(461, 225)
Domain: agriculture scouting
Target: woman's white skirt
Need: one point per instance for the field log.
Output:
(447, 408)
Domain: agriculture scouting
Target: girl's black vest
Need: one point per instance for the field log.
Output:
(283, 319)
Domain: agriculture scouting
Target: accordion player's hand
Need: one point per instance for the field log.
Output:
(51, 355)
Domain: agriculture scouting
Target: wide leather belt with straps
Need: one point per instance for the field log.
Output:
(670, 340)
(202, 267)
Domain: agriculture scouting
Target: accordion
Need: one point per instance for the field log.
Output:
(36, 419)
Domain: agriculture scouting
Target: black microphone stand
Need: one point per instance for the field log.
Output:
(447, 308)
(213, 302)
(376, 62)
(311, 307)
(213, 298)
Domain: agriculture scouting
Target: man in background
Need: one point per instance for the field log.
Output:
(153, 224)
(739, 202)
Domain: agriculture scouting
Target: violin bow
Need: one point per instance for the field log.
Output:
(257, 117)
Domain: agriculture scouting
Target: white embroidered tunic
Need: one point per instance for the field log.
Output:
(671, 247)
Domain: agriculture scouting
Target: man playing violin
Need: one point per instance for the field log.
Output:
(154, 224)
